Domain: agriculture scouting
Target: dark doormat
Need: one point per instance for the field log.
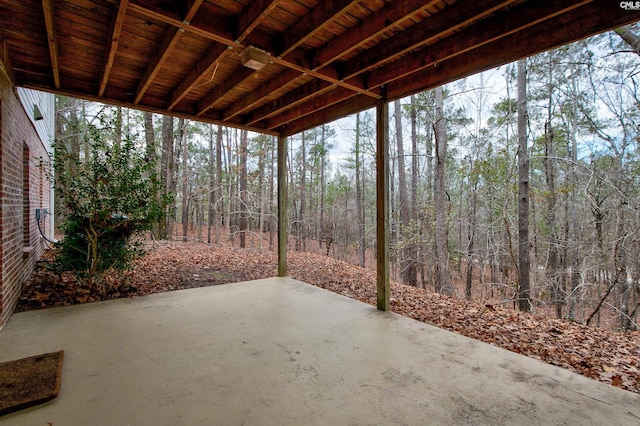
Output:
(29, 381)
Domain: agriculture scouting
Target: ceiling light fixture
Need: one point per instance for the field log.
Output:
(254, 58)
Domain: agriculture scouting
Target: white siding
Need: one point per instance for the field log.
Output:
(46, 104)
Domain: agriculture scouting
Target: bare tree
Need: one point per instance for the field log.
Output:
(524, 293)
(442, 281)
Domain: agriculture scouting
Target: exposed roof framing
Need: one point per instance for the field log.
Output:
(48, 12)
(326, 59)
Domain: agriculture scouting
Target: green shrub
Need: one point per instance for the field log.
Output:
(108, 198)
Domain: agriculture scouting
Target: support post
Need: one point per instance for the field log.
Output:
(282, 206)
(382, 202)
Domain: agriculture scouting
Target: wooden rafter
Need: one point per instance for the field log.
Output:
(49, 19)
(359, 48)
(490, 55)
(291, 99)
(375, 24)
(441, 25)
(228, 84)
(311, 23)
(482, 58)
(256, 96)
(295, 62)
(6, 59)
(486, 32)
(112, 49)
(311, 106)
(206, 66)
(252, 17)
(169, 42)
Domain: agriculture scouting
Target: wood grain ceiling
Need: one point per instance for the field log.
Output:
(326, 59)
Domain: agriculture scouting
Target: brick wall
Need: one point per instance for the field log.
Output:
(24, 186)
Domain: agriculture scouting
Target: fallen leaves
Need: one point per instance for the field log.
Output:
(612, 358)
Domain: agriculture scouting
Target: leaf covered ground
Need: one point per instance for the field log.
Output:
(612, 358)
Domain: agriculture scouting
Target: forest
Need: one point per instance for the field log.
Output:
(525, 176)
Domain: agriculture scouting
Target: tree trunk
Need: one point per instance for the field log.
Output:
(218, 205)
(151, 156)
(524, 292)
(300, 237)
(272, 221)
(550, 175)
(185, 181)
(407, 263)
(629, 37)
(242, 223)
(212, 187)
(166, 172)
(442, 281)
(118, 127)
(359, 198)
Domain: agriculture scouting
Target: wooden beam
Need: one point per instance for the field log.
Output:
(211, 117)
(282, 206)
(382, 204)
(168, 43)
(208, 29)
(575, 25)
(341, 109)
(443, 24)
(289, 100)
(253, 16)
(6, 60)
(258, 95)
(205, 66)
(112, 48)
(500, 25)
(306, 27)
(193, 6)
(240, 75)
(49, 21)
(582, 22)
(310, 107)
(369, 28)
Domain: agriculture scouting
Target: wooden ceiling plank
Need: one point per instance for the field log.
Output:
(442, 24)
(548, 34)
(253, 17)
(49, 21)
(293, 62)
(311, 23)
(169, 42)
(166, 46)
(326, 115)
(487, 31)
(289, 100)
(369, 28)
(588, 20)
(229, 84)
(309, 107)
(112, 49)
(255, 96)
(205, 66)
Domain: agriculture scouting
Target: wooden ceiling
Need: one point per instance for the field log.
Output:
(326, 59)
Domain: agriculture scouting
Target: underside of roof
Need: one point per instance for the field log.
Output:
(312, 61)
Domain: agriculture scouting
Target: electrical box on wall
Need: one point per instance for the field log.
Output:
(40, 213)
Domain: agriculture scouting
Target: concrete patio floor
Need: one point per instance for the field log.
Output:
(282, 352)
